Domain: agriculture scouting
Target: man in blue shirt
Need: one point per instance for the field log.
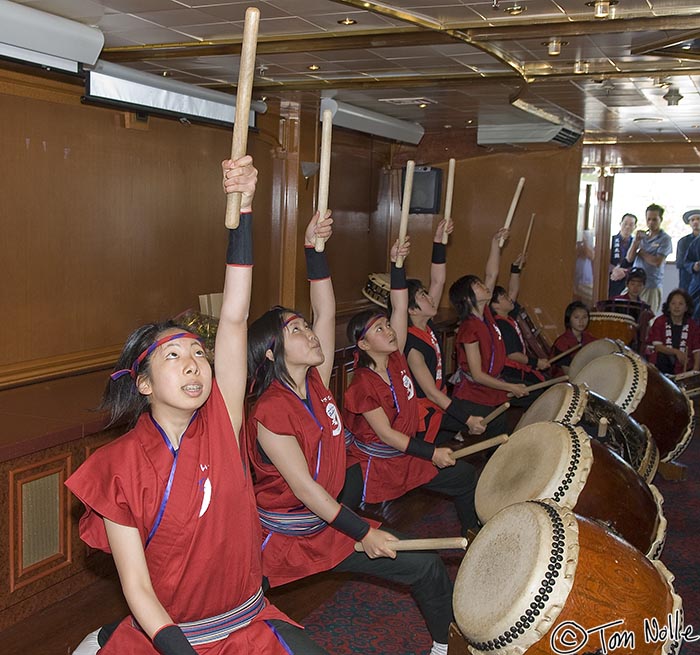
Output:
(649, 251)
(692, 263)
(691, 218)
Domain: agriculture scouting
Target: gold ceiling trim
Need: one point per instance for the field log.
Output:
(329, 41)
(436, 26)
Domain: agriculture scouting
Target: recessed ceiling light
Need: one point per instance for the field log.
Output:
(554, 46)
(447, 126)
(516, 9)
(602, 7)
(423, 105)
(314, 67)
(648, 119)
(470, 121)
(580, 67)
(347, 21)
(687, 46)
(166, 73)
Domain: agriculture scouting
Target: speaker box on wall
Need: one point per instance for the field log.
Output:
(427, 190)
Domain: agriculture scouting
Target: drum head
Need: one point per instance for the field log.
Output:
(501, 602)
(563, 402)
(543, 460)
(620, 379)
(593, 350)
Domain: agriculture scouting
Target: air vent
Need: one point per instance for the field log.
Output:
(405, 102)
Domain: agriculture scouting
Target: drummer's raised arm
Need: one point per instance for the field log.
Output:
(494, 260)
(438, 264)
(399, 293)
(321, 290)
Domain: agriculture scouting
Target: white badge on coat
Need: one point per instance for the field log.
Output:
(332, 412)
(408, 383)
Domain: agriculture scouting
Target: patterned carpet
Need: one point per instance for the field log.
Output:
(376, 619)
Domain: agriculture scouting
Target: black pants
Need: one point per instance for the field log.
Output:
(423, 572)
(458, 482)
(450, 426)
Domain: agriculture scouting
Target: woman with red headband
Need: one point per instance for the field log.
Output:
(382, 412)
(297, 448)
(161, 497)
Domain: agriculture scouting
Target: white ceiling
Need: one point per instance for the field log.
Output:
(464, 57)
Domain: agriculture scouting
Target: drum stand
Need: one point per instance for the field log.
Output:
(673, 471)
(456, 643)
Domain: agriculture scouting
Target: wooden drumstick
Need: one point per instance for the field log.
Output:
(545, 384)
(527, 236)
(511, 211)
(405, 206)
(246, 72)
(564, 354)
(602, 427)
(442, 543)
(482, 445)
(448, 199)
(495, 413)
(324, 173)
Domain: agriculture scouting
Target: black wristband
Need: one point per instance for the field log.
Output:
(456, 411)
(439, 253)
(398, 277)
(514, 268)
(240, 242)
(421, 449)
(171, 640)
(532, 362)
(350, 524)
(316, 264)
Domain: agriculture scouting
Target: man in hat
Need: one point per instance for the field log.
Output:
(691, 218)
(692, 262)
(649, 251)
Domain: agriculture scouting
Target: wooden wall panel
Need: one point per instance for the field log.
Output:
(484, 187)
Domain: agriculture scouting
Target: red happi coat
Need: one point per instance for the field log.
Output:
(562, 343)
(204, 558)
(485, 332)
(430, 413)
(657, 334)
(289, 557)
(385, 479)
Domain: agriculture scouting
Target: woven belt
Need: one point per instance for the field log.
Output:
(291, 523)
(380, 450)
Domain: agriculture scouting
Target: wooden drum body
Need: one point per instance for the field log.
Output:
(612, 325)
(539, 578)
(561, 462)
(377, 289)
(648, 396)
(575, 404)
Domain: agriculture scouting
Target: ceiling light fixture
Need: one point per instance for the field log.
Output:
(314, 67)
(347, 21)
(673, 96)
(495, 5)
(580, 67)
(554, 46)
(601, 8)
(423, 105)
(516, 9)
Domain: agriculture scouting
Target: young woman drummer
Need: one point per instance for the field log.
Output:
(297, 448)
(481, 353)
(519, 367)
(576, 319)
(161, 497)
(442, 417)
(381, 410)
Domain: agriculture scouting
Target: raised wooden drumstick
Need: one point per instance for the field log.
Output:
(324, 173)
(482, 445)
(246, 72)
(448, 199)
(564, 354)
(496, 413)
(602, 427)
(527, 236)
(442, 543)
(511, 211)
(545, 384)
(405, 206)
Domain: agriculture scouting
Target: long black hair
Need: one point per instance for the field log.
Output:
(267, 333)
(354, 331)
(121, 396)
(462, 296)
(689, 304)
